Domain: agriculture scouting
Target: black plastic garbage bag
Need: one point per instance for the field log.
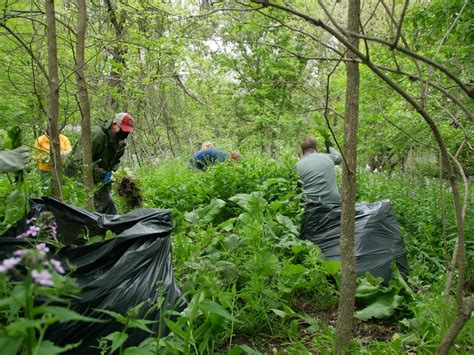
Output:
(377, 236)
(115, 274)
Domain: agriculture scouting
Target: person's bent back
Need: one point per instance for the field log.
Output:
(317, 171)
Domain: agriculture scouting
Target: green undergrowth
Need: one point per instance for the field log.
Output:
(253, 286)
(236, 243)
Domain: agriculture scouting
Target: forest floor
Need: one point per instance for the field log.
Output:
(366, 332)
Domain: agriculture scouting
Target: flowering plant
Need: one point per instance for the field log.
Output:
(35, 291)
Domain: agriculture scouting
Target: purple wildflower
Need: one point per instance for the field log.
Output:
(57, 265)
(9, 263)
(21, 252)
(33, 231)
(43, 278)
(31, 220)
(53, 229)
(42, 248)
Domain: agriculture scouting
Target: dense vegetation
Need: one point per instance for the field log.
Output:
(252, 282)
(250, 76)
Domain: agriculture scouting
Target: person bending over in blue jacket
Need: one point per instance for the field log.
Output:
(210, 156)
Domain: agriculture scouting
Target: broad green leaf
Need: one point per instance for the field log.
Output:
(205, 215)
(213, 307)
(331, 267)
(382, 307)
(288, 223)
(10, 344)
(17, 206)
(117, 339)
(247, 201)
(370, 287)
(294, 269)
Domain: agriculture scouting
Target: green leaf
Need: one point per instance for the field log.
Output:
(288, 223)
(7, 301)
(49, 348)
(65, 314)
(279, 312)
(21, 325)
(294, 269)
(146, 347)
(10, 344)
(331, 267)
(117, 339)
(247, 201)
(213, 307)
(370, 287)
(117, 316)
(383, 306)
(16, 206)
(243, 349)
(205, 215)
(142, 324)
(174, 327)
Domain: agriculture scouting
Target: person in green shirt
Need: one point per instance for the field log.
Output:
(317, 171)
(108, 147)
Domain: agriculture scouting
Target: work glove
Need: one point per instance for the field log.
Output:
(328, 145)
(107, 177)
(14, 160)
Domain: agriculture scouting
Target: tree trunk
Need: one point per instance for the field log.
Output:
(84, 103)
(53, 104)
(345, 312)
(462, 317)
(118, 56)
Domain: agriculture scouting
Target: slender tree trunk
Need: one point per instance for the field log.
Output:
(118, 56)
(84, 103)
(53, 104)
(462, 317)
(345, 312)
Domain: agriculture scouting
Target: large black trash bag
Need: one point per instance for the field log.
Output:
(377, 236)
(114, 274)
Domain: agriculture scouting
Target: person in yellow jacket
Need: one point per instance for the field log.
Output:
(42, 150)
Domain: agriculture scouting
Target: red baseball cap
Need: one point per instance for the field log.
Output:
(125, 121)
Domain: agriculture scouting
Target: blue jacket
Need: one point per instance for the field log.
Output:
(206, 157)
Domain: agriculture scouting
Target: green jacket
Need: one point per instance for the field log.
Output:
(106, 152)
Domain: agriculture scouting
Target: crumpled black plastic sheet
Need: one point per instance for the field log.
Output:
(115, 274)
(377, 236)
